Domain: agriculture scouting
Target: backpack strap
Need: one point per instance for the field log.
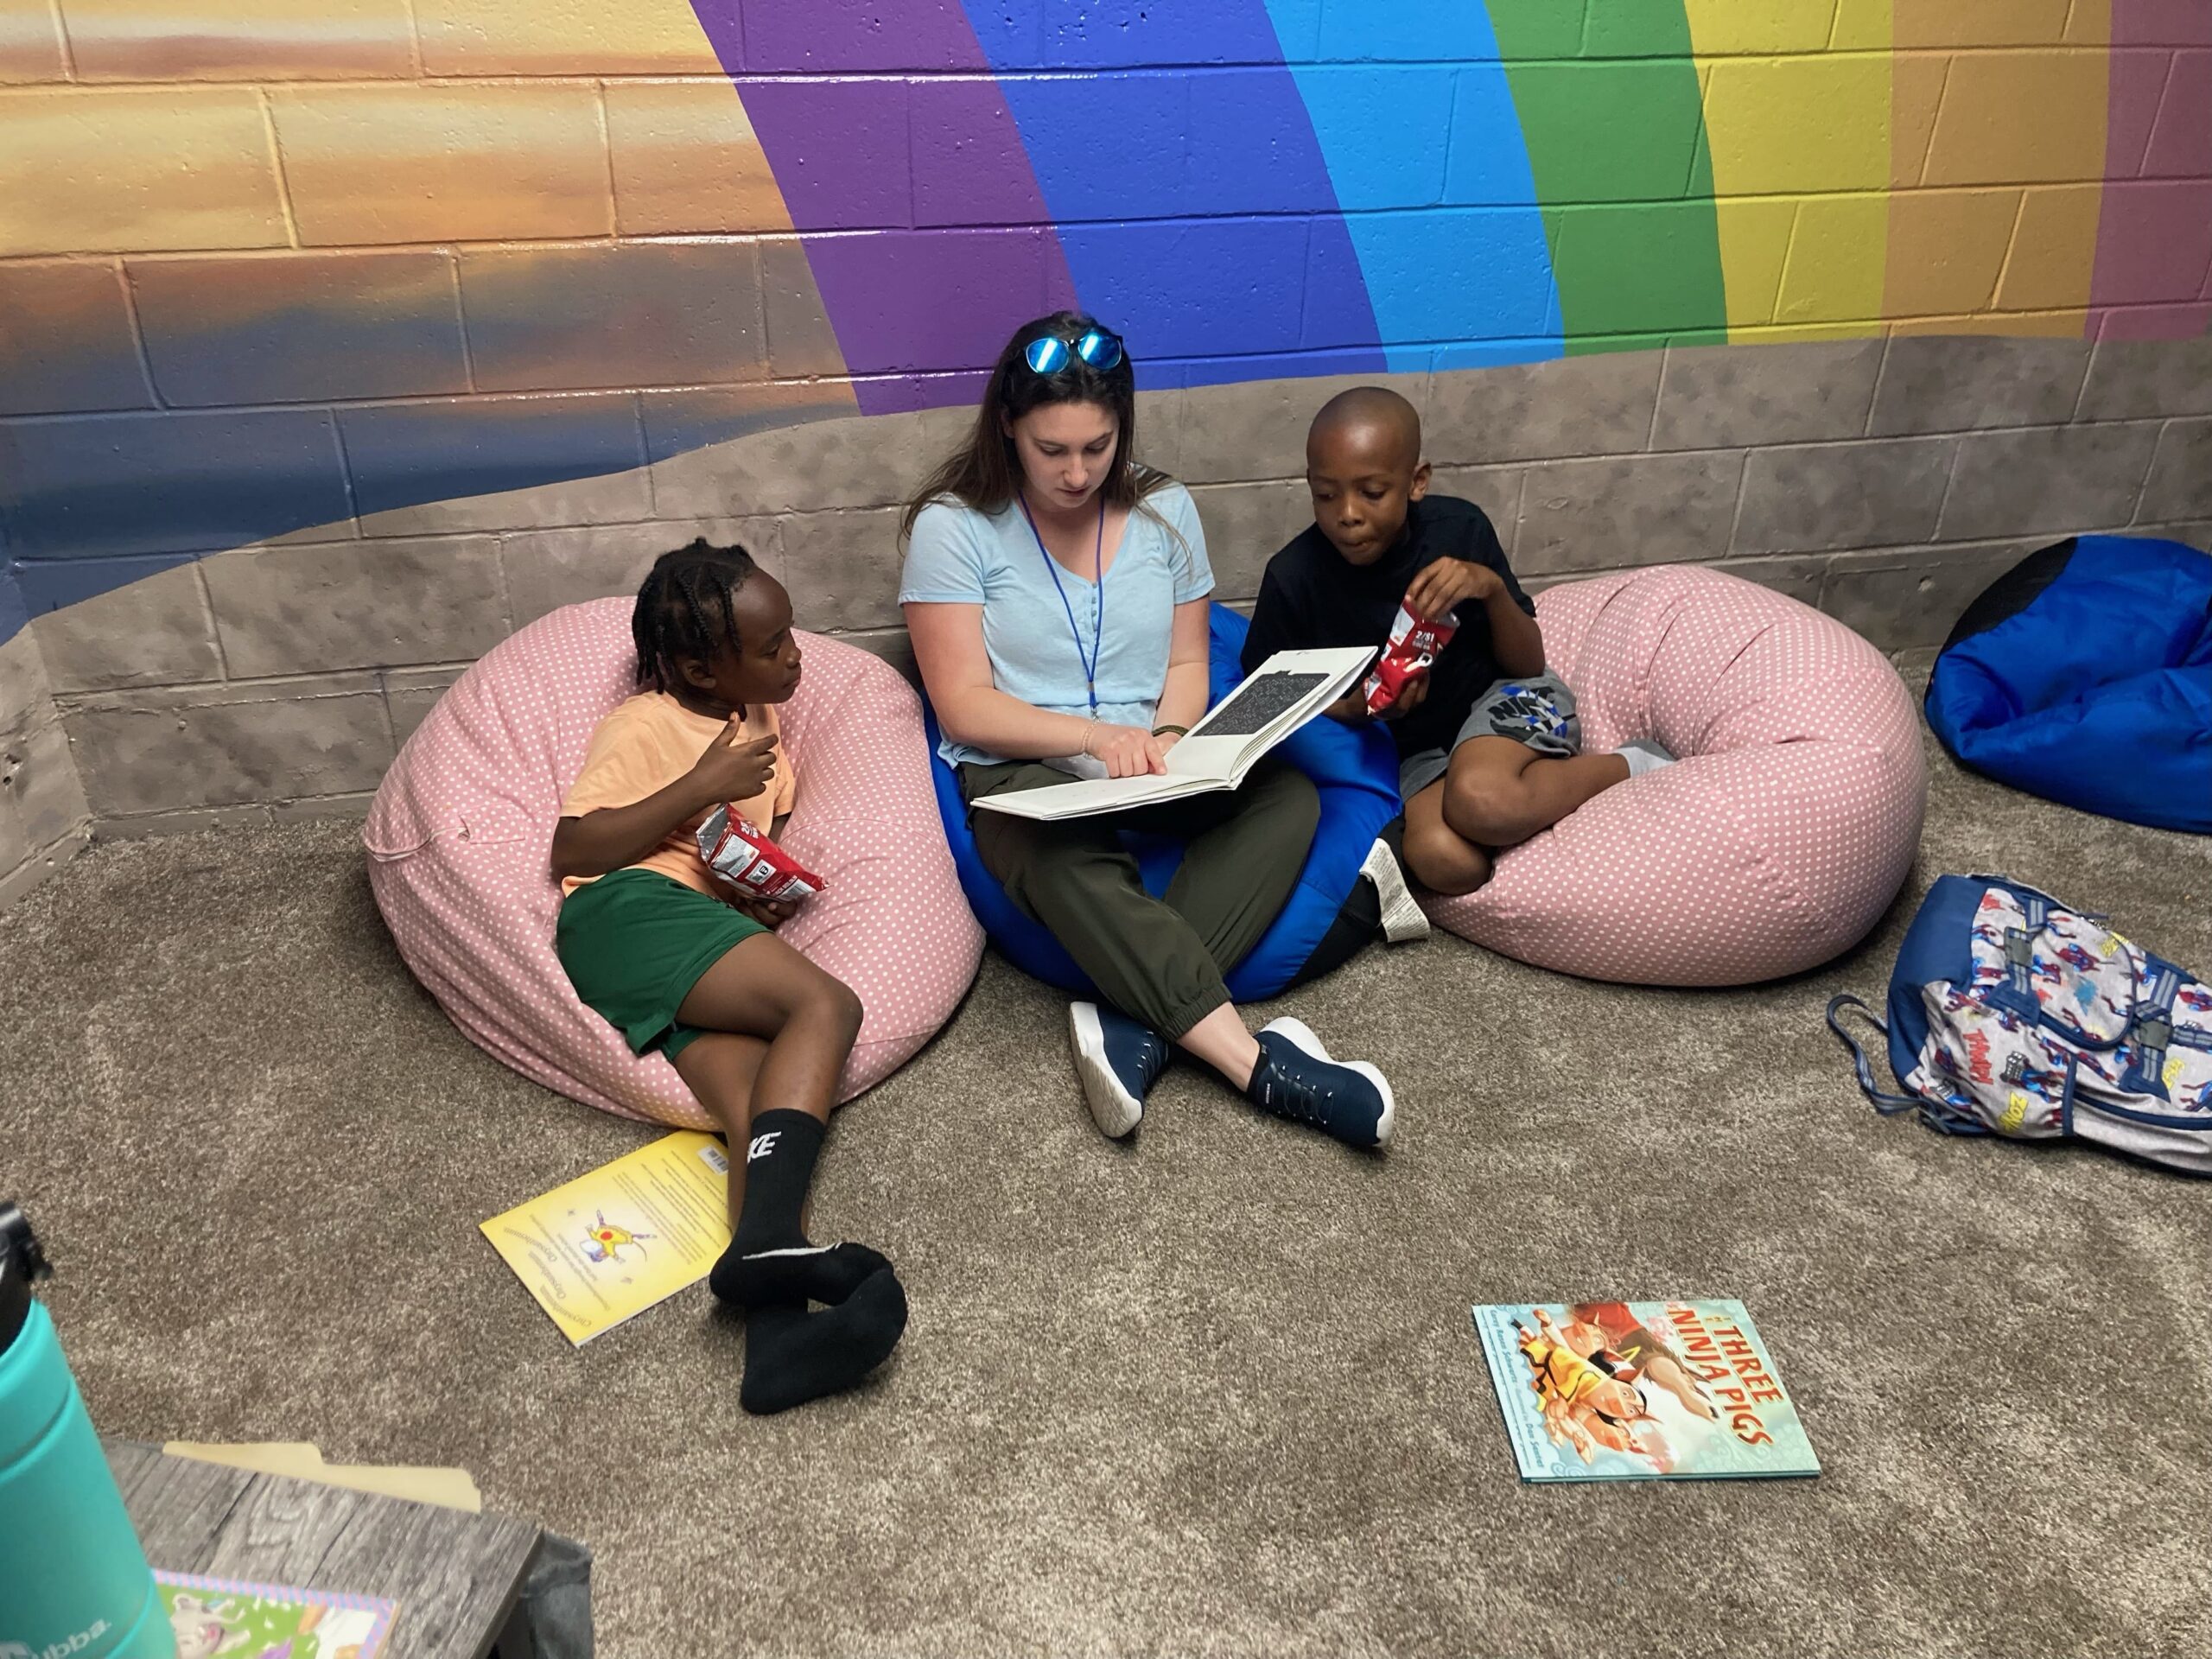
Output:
(1934, 1114)
(2017, 993)
(2151, 1025)
(1888, 1104)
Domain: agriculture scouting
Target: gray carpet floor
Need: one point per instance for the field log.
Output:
(1214, 1392)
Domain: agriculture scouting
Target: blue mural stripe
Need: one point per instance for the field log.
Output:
(1408, 146)
(106, 485)
(301, 327)
(49, 584)
(406, 454)
(65, 341)
(13, 616)
(1245, 251)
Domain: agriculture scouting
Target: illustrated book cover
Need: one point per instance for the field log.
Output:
(611, 1243)
(237, 1620)
(1682, 1391)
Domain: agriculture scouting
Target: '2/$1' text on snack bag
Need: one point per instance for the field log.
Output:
(1414, 643)
(749, 861)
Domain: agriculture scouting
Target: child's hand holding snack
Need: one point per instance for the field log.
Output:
(1398, 683)
(765, 881)
(1444, 583)
(1412, 693)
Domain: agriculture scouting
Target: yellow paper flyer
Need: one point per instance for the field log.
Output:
(611, 1243)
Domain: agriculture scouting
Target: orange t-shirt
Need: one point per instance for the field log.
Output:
(643, 747)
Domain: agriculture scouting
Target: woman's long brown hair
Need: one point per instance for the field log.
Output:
(985, 472)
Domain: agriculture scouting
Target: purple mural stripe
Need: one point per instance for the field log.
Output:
(2154, 232)
(906, 285)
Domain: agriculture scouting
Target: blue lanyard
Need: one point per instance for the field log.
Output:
(1098, 583)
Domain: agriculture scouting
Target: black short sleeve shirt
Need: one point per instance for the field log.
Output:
(1312, 597)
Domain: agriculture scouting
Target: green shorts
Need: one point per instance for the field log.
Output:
(635, 943)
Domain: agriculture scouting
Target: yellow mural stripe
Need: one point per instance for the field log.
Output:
(1998, 156)
(1800, 168)
(531, 37)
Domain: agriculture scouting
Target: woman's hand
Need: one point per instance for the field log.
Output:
(1128, 751)
(735, 767)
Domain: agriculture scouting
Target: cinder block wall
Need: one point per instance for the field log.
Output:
(335, 342)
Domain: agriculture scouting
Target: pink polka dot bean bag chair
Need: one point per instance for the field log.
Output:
(1776, 840)
(461, 831)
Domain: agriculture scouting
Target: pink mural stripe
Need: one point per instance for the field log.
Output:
(2154, 234)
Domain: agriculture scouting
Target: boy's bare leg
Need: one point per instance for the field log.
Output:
(720, 1068)
(762, 988)
(1498, 792)
(1441, 859)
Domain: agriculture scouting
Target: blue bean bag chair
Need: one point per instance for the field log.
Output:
(2084, 675)
(1331, 914)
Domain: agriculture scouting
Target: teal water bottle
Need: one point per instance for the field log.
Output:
(73, 1583)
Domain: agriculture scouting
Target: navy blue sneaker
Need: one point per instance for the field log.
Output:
(1118, 1060)
(1296, 1080)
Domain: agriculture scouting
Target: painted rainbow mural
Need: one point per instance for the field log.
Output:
(394, 258)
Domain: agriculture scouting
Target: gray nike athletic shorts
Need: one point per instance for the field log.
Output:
(1538, 711)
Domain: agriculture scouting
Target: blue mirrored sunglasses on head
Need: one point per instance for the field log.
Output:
(1050, 353)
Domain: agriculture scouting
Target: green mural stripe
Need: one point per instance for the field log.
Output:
(1607, 95)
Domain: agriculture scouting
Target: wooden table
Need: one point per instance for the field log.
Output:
(455, 1575)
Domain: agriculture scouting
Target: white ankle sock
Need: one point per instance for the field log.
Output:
(1403, 920)
(1643, 755)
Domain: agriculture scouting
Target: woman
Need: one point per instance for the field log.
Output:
(1055, 593)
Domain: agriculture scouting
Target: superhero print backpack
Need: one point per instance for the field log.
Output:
(2012, 1013)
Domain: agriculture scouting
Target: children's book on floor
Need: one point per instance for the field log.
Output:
(610, 1244)
(1274, 701)
(1640, 1391)
(212, 1616)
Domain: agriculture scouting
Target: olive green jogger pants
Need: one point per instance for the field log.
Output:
(1158, 960)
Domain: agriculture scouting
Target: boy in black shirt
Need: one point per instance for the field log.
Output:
(1489, 747)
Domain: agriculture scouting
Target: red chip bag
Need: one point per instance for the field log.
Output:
(1414, 643)
(751, 862)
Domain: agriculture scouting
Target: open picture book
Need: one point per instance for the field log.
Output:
(1277, 698)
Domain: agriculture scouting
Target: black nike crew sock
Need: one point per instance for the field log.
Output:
(792, 1356)
(769, 1260)
(804, 1273)
(780, 1156)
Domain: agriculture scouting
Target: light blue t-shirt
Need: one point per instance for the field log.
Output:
(960, 556)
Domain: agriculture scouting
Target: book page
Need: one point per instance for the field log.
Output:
(1082, 800)
(610, 1244)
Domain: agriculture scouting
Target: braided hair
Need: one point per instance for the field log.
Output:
(687, 608)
